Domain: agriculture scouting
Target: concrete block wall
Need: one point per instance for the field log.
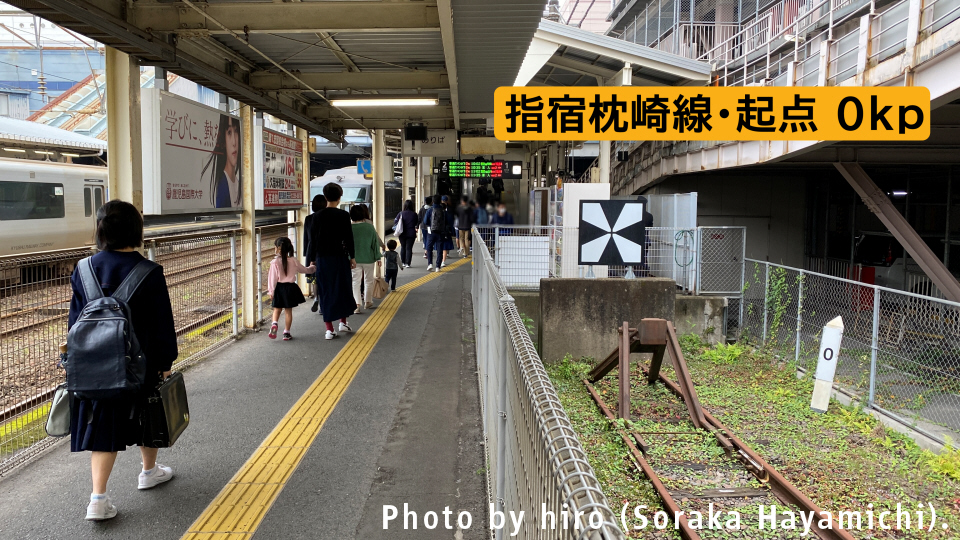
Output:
(581, 316)
(701, 315)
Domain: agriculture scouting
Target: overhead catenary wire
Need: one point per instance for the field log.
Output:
(239, 38)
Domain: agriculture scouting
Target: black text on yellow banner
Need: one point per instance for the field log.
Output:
(548, 113)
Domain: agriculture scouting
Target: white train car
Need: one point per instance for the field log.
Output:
(47, 206)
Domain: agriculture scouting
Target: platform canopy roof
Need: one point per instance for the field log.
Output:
(22, 133)
(561, 55)
(290, 58)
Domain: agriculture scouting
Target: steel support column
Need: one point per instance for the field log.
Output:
(248, 264)
(381, 166)
(878, 203)
(409, 179)
(123, 128)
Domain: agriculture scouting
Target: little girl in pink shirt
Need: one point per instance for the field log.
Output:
(282, 285)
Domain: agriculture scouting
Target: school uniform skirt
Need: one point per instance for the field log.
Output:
(109, 425)
(335, 288)
(287, 295)
(445, 244)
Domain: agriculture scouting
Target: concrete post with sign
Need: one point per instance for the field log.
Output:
(248, 250)
(827, 364)
(304, 210)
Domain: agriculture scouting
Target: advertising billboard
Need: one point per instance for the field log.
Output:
(192, 156)
(282, 164)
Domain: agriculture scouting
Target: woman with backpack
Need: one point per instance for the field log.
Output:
(408, 222)
(106, 426)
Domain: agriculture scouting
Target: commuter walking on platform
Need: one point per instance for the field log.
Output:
(445, 243)
(393, 264)
(436, 221)
(319, 203)
(106, 426)
(424, 224)
(408, 222)
(465, 220)
(502, 217)
(282, 285)
(367, 247)
(331, 246)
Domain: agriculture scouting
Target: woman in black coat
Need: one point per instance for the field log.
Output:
(104, 427)
(408, 234)
(331, 247)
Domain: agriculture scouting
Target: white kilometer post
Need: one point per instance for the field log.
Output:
(827, 364)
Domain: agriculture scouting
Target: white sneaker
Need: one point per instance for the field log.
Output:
(101, 509)
(330, 335)
(344, 327)
(160, 474)
(438, 270)
(429, 267)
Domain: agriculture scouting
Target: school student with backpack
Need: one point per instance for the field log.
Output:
(110, 389)
(436, 220)
(424, 226)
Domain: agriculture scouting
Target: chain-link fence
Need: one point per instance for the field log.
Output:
(705, 260)
(203, 274)
(900, 353)
(34, 304)
(198, 270)
(535, 458)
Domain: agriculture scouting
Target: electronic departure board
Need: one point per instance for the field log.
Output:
(480, 169)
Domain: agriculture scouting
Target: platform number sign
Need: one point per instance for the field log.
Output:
(611, 233)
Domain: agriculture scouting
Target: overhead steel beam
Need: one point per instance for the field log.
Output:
(410, 80)
(590, 70)
(878, 203)
(383, 117)
(107, 26)
(449, 55)
(337, 50)
(291, 17)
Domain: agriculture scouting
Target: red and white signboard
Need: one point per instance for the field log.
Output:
(282, 166)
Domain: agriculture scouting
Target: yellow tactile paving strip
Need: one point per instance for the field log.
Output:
(241, 505)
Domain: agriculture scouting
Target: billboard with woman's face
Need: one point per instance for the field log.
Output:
(192, 156)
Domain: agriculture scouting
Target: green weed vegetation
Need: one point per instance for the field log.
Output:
(843, 459)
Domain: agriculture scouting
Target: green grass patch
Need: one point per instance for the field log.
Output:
(844, 460)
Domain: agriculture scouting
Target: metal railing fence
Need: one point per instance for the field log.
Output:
(203, 274)
(704, 260)
(900, 353)
(536, 461)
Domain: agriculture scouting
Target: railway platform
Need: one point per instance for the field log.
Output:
(301, 439)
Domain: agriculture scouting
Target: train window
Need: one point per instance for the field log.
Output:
(354, 194)
(87, 203)
(97, 198)
(30, 200)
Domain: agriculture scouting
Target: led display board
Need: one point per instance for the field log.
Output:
(480, 169)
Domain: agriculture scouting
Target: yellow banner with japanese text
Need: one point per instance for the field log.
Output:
(715, 113)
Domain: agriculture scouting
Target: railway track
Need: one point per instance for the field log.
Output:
(697, 466)
(175, 278)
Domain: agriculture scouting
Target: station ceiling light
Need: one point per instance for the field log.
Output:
(67, 154)
(380, 100)
(17, 150)
(44, 152)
